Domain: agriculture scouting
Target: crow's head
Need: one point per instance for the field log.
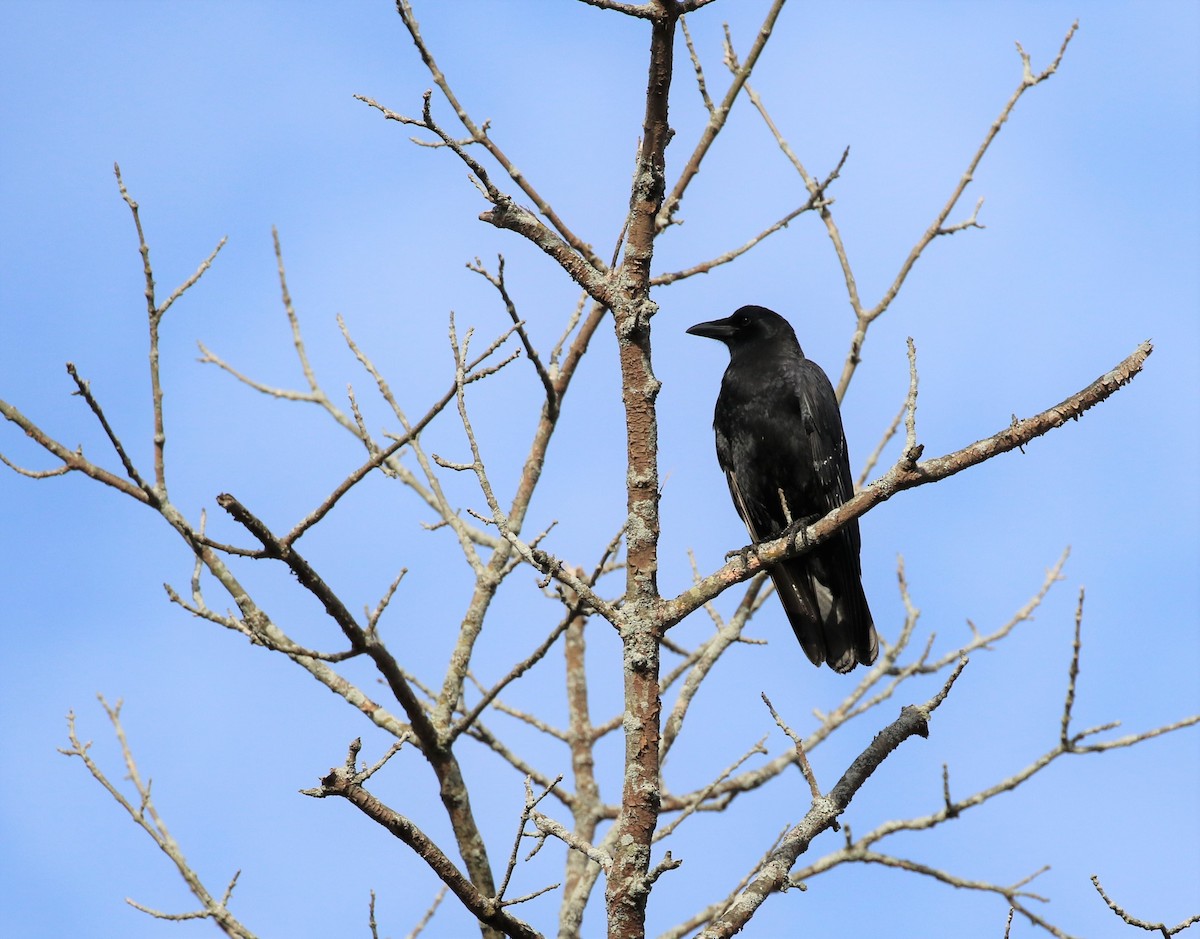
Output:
(750, 327)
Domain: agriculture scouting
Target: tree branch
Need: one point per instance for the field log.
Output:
(906, 474)
(824, 812)
(148, 819)
(1163, 928)
(718, 116)
(938, 226)
(346, 782)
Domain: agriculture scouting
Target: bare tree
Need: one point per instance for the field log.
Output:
(612, 845)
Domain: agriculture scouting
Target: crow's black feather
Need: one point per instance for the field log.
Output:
(781, 444)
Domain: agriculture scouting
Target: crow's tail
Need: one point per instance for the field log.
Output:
(828, 611)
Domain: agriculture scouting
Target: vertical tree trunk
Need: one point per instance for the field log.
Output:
(628, 883)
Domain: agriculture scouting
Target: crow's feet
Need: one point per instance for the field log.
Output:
(745, 554)
(797, 532)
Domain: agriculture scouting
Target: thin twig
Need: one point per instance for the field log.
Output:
(815, 201)
(699, 69)
(428, 915)
(519, 325)
(1166, 930)
(801, 758)
(480, 135)
(145, 815)
(913, 720)
(888, 434)
(1072, 676)
(85, 391)
(938, 226)
(718, 117)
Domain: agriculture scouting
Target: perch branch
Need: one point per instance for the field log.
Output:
(905, 475)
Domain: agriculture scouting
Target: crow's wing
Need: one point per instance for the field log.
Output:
(833, 567)
(821, 419)
(792, 583)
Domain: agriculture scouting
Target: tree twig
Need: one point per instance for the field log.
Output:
(146, 816)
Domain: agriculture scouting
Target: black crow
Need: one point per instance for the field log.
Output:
(781, 444)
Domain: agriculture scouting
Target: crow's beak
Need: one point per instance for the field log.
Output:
(713, 329)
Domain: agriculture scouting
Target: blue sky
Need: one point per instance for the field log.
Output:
(229, 118)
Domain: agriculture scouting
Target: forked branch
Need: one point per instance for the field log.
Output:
(146, 816)
(913, 720)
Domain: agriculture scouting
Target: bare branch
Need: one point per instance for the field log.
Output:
(531, 803)
(208, 357)
(536, 557)
(912, 451)
(860, 850)
(699, 69)
(718, 117)
(1163, 928)
(316, 394)
(549, 826)
(938, 226)
(346, 782)
(888, 434)
(824, 813)
(700, 664)
(480, 135)
(1064, 734)
(155, 314)
(85, 391)
(361, 640)
(706, 915)
(732, 255)
(801, 759)
(903, 476)
(382, 457)
(72, 459)
(514, 673)
(424, 921)
(700, 798)
(37, 474)
(374, 615)
(1012, 893)
(293, 320)
(644, 11)
(146, 816)
(519, 325)
(812, 185)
